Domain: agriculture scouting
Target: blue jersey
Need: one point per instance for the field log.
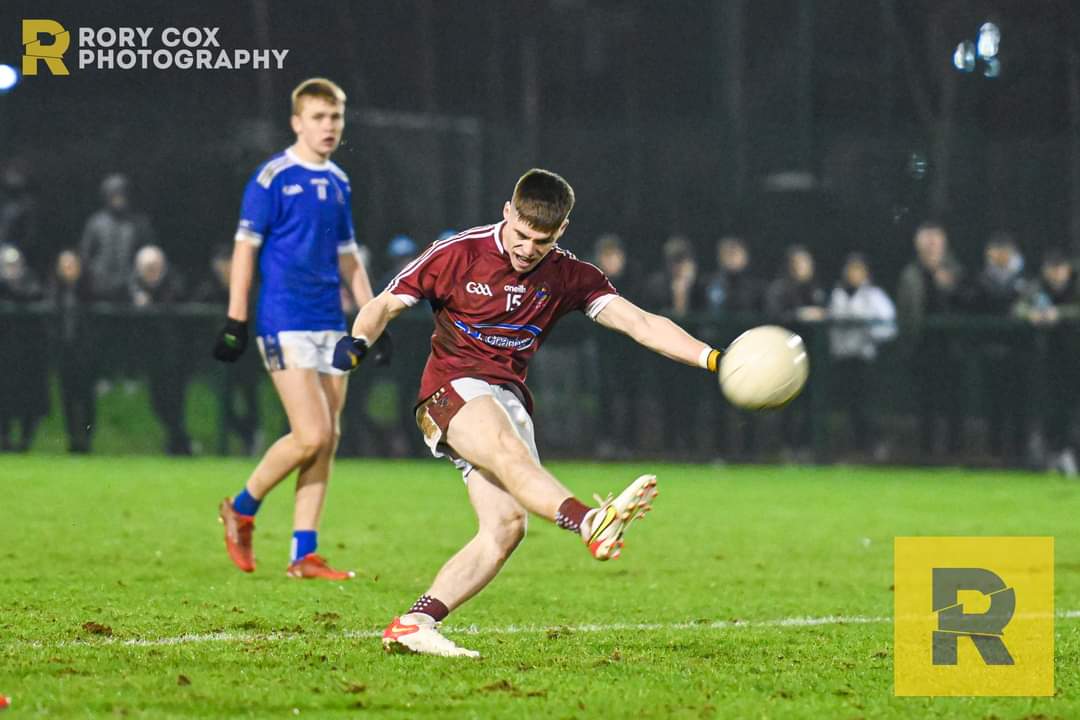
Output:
(298, 214)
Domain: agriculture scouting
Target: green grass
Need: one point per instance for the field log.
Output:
(126, 423)
(133, 544)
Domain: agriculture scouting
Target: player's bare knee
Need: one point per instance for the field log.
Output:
(514, 529)
(508, 533)
(314, 441)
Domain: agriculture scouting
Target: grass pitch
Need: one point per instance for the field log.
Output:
(117, 598)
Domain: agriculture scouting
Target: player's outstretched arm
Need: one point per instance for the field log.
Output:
(658, 333)
(370, 323)
(232, 340)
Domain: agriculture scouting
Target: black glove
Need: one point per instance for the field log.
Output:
(349, 353)
(383, 349)
(231, 341)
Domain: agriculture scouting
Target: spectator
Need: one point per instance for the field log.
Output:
(732, 293)
(240, 380)
(24, 377)
(930, 285)
(154, 282)
(995, 292)
(796, 296)
(1053, 304)
(109, 240)
(676, 292)
(1001, 284)
(154, 285)
(732, 290)
(215, 289)
(610, 256)
(617, 409)
(376, 420)
(18, 210)
(865, 318)
(77, 368)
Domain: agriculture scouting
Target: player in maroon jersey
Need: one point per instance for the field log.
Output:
(497, 291)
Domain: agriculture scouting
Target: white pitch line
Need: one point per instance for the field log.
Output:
(228, 637)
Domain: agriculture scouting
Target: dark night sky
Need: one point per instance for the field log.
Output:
(602, 65)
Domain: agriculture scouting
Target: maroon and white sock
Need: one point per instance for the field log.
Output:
(430, 606)
(571, 514)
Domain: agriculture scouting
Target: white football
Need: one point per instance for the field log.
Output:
(765, 367)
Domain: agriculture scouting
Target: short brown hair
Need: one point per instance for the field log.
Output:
(543, 199)
(317, 87)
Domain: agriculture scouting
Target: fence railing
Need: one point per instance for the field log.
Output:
(583, 371)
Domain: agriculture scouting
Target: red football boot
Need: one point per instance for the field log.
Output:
(238, 530)
(313, 567)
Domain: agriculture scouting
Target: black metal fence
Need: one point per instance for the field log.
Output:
(975, 390)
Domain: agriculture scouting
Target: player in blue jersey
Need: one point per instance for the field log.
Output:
(295, 222)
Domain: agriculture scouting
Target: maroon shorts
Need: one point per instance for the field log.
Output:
(433, 416)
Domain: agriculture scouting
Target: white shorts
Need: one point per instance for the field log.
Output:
(304, 349)
(468, 389)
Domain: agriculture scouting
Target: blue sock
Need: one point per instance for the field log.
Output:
(304, 543)
(245, 504)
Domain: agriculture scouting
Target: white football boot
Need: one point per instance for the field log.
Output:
(419, 634)
(604, 527)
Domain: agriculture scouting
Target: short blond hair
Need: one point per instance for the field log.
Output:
(317, 87)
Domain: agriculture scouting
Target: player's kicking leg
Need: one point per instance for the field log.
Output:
(312, 407)
(502, 522)
(495, 432)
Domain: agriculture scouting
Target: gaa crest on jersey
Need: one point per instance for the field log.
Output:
(476, 288)
(541, 296)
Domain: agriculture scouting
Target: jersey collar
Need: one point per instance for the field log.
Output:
(325, 165)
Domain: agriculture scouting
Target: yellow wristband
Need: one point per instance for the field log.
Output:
(713, 363)
(710, 359)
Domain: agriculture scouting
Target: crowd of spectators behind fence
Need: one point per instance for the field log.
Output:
(118, 260)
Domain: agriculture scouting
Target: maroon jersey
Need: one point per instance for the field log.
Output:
(489, 318)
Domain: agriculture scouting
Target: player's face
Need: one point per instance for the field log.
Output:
(526, 245)
(319, 125)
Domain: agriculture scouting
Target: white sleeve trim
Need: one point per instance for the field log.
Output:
(349, 247)
(409, 300)
(593, 309)
(249, 236)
